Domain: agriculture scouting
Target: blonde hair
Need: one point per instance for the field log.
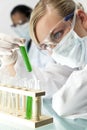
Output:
(64, 7)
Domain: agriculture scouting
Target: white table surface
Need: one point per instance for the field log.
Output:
(58, 124)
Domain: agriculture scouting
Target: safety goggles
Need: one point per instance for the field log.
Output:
(58, 32)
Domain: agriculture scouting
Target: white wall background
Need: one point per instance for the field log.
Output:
(7, 5)
(83, 2)
(5, 8)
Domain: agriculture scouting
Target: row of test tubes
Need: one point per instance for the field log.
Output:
(12, 103)
(16, 104)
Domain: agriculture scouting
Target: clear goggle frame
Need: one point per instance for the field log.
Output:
(58, 32)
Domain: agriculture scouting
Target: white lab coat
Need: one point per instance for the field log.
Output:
(67, 87)
(71, 100)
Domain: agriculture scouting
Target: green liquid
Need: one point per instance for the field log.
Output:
(25, 58)
(29, 107)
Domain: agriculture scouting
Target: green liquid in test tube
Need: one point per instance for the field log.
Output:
(26, 58)
(29, 68)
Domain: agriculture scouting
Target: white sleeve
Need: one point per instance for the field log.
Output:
(71, 99)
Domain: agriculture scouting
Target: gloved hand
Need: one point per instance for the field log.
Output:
(8, 47)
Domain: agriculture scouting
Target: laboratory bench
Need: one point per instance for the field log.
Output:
(59, 123)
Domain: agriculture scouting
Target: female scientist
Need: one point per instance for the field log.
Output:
(60, 28)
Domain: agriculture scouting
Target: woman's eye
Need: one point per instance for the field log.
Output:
(56, 36)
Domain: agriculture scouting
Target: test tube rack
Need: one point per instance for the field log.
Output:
(16, 113)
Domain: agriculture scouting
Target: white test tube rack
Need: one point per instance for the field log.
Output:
(18, 116)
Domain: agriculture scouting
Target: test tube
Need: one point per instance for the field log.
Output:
(13, 103)
(24, 104)
(9, 103)
(0, 98)
(25, 58)
(29, 68)
(17, 104)
(3, 101)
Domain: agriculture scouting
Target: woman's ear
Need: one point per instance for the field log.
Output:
(83, 18)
